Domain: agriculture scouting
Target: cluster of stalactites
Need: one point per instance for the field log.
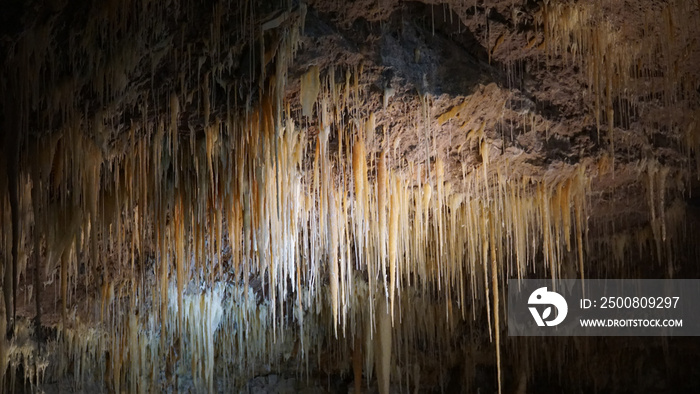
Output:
(624, 66)
(303, 226)
(236, 203)
(173, 229)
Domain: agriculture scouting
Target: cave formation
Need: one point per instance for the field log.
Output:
(330, 196)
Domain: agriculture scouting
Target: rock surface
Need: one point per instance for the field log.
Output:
(180, 190)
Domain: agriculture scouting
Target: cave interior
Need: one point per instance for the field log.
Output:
(331, 196)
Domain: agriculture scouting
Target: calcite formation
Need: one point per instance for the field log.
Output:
(194, 194)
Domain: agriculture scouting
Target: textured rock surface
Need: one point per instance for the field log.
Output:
(179, 189)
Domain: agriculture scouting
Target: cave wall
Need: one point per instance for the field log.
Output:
(194, 194)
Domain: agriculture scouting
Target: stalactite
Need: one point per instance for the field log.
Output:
(383, 346)
(333, 260)
(496, 309)
(310, 86)
(381, 212)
